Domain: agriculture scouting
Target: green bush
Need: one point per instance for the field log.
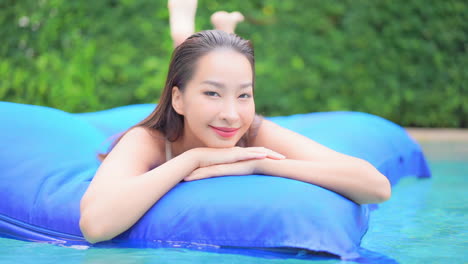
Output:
(403, 60)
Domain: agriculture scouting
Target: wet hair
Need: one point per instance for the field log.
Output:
(181, 70)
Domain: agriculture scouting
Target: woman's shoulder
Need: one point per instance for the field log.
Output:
(268, 133)
(152, 138)
(147, 142)
(146, 133)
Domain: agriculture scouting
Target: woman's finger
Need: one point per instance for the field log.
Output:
(268, 152)
(237, 168)
(210, 156)
(207, 172)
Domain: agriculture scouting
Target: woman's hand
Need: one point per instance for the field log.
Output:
(213, 156)
(230, 161)
(237, 168)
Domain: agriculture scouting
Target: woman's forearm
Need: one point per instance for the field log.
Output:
(109, 207)
(357, 179)
(116, 209)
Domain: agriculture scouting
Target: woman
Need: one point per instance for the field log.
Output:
(205, 126)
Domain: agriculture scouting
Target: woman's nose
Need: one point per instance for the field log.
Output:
(229, 112)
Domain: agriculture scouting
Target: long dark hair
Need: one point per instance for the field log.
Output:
(181, 69)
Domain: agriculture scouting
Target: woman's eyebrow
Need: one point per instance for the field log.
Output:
(222, 86)
(213, 83)
(245, 85)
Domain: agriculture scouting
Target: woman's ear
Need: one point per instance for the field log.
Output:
(177, 102)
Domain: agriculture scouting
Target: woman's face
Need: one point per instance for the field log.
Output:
(217, 103)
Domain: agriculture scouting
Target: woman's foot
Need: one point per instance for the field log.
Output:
(181, 19)
(225, 21)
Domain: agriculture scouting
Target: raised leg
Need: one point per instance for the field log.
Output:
(181, 19)
(225, 21)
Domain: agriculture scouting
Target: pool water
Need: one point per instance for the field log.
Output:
(426, 221)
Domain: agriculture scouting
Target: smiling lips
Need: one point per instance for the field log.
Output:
(226, 132)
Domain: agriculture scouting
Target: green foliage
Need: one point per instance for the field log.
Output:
(403, 60)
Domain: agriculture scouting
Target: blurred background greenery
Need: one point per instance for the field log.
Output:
(404, 60)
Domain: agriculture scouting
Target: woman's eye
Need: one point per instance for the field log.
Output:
(211, 93)
(246, 95)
